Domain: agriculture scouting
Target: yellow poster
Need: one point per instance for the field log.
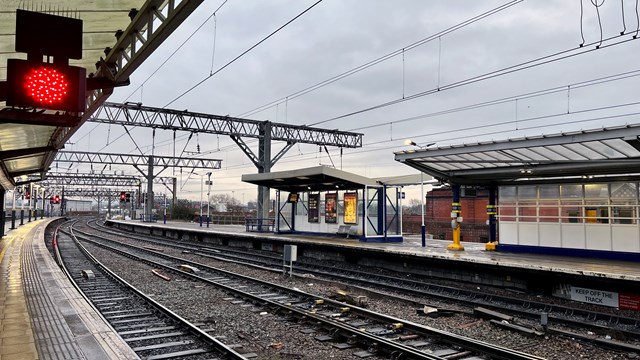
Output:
(350, 208)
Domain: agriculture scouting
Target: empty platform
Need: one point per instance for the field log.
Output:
(41, 314)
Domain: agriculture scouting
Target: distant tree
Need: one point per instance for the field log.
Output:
(183, 210)
(414, 207)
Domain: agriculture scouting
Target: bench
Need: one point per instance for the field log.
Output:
(346, 230)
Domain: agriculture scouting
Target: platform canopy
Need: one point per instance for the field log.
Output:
(118, 35)
(605, 154)
(318, 178)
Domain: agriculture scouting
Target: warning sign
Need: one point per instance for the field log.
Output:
(629, 302)
(597, 297)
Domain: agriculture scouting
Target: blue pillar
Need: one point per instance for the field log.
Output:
(491, 211)
(21, 216)
(13, 219)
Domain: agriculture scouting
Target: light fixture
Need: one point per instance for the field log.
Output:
(409, 142)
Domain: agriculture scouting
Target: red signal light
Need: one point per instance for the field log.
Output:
(56, 200)
(46, 86)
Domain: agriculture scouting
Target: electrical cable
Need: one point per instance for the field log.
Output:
(176, 50)
(241, 55)
(380, 59)
(624, 25)
(581, 21)
(504, 71)
(595, 3)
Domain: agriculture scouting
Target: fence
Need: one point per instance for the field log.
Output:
(472, 230)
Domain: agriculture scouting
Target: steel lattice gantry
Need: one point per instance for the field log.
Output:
(137, 161)
(132, 114)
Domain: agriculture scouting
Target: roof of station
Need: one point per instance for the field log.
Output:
(29, 147)
(323, 178)
(605, 154)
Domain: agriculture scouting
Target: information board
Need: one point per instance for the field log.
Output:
(314, 200)
(351, 208)
(331, 208)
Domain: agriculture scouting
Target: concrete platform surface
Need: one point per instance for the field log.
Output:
(42, 316)
(436, 249)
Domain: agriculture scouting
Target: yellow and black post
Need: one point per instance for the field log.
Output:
(491, 212)
(456, 219)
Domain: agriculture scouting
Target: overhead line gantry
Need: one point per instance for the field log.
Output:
(137, 161)
(135, 114)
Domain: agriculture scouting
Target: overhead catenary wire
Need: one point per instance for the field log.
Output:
(380, 59)
(177, 49)
(242, 54)
(561, 55)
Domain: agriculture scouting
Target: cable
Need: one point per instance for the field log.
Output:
(504, 71)
(548, 91)
(176, 50)
(242, 54)
(595, 3)
(624, 26)
(381, 59)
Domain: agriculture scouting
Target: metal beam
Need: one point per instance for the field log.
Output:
(129, 159)
(135, 114)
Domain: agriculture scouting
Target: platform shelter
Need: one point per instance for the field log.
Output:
(325, 201)
(574, 193)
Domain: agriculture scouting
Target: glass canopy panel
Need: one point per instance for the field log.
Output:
(623, 147)
(484, 156)
(534, 156)
(604, 149)
(101, 20)
(585, 151)
(24, 164)
(437, 167)
(566, 152)
(499, 155)
(18, 136)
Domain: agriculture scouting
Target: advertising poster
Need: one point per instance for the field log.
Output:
(314, 201)
(331, 208)
(350, 208)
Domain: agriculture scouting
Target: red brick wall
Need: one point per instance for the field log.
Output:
(474, 213)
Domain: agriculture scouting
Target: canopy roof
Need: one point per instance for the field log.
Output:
(605, 154)
(28, 143)
(318, 178)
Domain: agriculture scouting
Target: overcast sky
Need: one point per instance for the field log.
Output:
(339, 35)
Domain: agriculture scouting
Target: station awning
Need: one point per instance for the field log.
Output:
(118, 35)
(318, 178)
(604, 154)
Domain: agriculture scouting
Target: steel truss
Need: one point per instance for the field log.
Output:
(135, 114)
(139, 160)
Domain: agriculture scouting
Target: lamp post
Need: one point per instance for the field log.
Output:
(422, 198)
(201, 191)
(209, 183)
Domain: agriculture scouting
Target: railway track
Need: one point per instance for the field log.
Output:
(151, 330)
(345, 326)
(601, 324)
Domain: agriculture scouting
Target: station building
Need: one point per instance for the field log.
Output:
(568, 194)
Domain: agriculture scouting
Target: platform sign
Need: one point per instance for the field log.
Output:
(596, 297)
(351, 208)
(629, 302)
(331, 208)
(314, 200)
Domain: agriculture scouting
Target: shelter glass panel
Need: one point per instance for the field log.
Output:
(527, 192)
(548, 211)
(507, 193)
(571, 191)
(549, 191)
(624, 190)
(571, 211)
(596, 212)
(596, 191)
(527, 211)
(624, 212)
(507, 211)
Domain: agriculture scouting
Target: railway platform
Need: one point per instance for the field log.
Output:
(42, 316)
(411, 247)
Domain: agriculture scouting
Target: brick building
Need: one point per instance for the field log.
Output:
(474, 202)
